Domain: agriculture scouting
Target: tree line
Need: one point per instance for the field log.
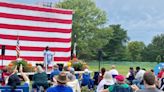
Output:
(94, 34)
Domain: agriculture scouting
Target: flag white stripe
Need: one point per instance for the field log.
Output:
(35, 13)
(36, 53)
(35, 23)
(34, 33)
(36, 44)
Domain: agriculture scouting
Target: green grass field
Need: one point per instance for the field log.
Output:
(122, 66)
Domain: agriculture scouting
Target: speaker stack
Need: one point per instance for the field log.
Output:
(3, 53)
(3, 50)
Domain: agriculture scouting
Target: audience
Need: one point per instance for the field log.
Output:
(101, 74)
(161, 73)
(161, 82)
(113, 71)
(61, 84)
(55, 72)
(109, 81)
(14, 80)
(119, 86)
(105, 82)
(73, 82)
(4, 75)
(40, 79)
(149, 83)
(130, 76)
(86, 79)
(139, 77)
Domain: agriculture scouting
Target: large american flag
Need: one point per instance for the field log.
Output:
(37, 27)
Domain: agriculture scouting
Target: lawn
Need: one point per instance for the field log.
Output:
(122, 66)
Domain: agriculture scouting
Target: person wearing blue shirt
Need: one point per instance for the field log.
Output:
(55, 72)
(61, 84)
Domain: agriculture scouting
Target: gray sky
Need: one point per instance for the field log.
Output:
(143, 19)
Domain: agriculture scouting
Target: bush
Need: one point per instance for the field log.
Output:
(27, 67)
(78, 65)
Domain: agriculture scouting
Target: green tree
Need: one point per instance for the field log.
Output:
(88, 21)
(155, 48)
(135, 49)
(158, 58)
(115, 49)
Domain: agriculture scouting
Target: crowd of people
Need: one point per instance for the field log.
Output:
(136, 80)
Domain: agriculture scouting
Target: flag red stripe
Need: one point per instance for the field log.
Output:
(26, 48)
(33, 18)
(34, 8)
(40, 39)
(32, 28)
(35, 58)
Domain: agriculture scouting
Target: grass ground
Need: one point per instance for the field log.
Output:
(121, 66)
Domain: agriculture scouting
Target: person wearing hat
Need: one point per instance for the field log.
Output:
(86, 79)
(73, 82)
(106, 81)
(55, 71)
(119, 86)
(61, 84)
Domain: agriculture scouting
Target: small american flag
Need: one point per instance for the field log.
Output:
(18, 47)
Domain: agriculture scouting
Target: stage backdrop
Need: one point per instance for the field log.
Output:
(36, 28)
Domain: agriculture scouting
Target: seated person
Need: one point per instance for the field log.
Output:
(73, 83)
(55, 72)
(149, 83)
(105, 82)
(131, 75)
(161, 82)
(13, 80)
(114, 71)
(40, 79)
(101, 74)
(61, 84)
(86, 79)
(119, 86)
(4, 76)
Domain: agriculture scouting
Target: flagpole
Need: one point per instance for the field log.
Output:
(17, 47)
(74, 49)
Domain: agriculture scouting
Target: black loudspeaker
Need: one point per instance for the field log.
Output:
(100, 55)
(3, 50)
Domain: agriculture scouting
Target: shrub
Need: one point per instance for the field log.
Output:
(27, 67)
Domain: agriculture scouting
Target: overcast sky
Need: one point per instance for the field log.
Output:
(143, 19)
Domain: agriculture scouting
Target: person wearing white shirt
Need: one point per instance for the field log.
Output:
(106, 81)
(73, 83)
(138, 77)
(113, 71)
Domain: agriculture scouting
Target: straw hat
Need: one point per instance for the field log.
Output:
(62, 78)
